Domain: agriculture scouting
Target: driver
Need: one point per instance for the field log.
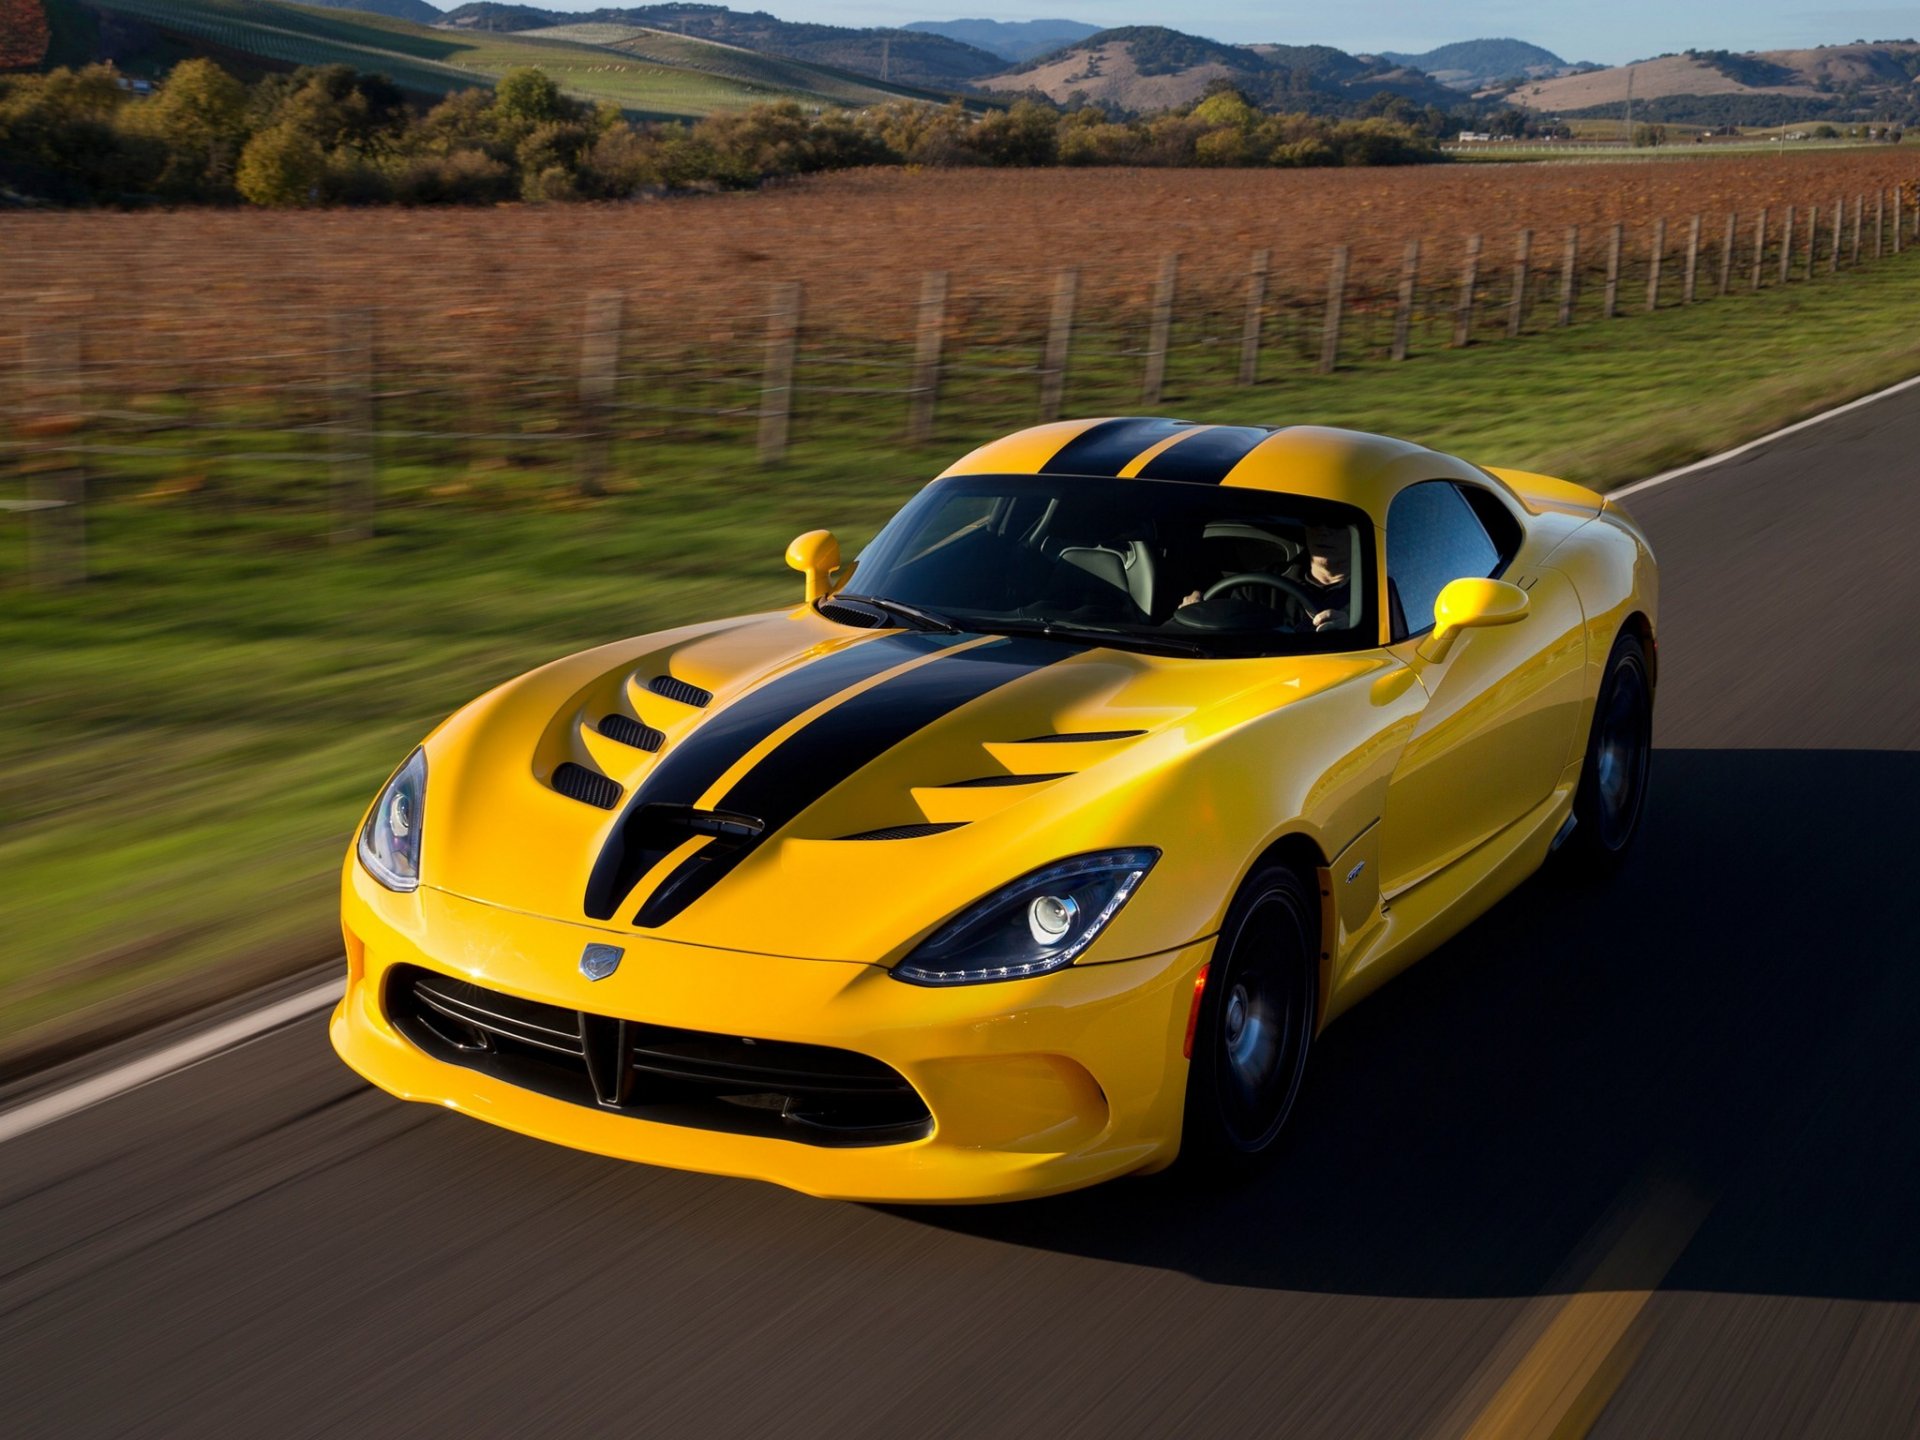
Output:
(1323, 577)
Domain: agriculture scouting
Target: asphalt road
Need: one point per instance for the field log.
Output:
(1679, 1112)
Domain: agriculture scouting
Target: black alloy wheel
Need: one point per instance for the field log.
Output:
(1256, 1023)
(1612, 796)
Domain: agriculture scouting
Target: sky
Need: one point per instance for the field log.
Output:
(1610, 34)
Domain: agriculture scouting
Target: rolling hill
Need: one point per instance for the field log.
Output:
(1864, 80)
(687, 82)
(906, 57)
(1144, 67)
(1014, 40)
(1475, 64)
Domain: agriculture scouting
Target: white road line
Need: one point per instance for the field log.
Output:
(62, 1103)
(1764, 440)
(134, 1073)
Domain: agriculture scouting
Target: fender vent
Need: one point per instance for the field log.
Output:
(679, 690)
(577, 782)
(907, 832)
(629, 731)
(990, 781)
(842, 614)
(1084, 735)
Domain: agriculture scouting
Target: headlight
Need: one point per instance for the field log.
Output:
(1039, 923)
(390, 840)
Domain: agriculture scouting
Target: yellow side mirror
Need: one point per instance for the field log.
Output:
(816, 555)
(1468, 605)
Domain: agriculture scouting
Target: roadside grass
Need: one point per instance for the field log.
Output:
(187, 739)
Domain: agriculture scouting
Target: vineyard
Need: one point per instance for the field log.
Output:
(24, 33)
(432, 61)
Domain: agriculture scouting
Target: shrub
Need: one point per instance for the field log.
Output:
(281, 167)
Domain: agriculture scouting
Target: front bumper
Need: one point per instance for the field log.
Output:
(1035, 1086)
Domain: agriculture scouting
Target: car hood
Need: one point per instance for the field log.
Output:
(786, 785)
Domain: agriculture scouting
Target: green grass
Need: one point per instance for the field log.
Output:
(435, 61)
(187, 739)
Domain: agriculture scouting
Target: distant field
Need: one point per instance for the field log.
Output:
(436, 61)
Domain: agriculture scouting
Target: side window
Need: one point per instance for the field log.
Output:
(1433, 539)
(1502, 528)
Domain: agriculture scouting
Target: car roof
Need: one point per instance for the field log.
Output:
(1350, 466)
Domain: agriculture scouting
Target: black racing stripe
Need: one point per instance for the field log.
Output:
(1205, 459)
(1106, 448)
(686, 771)
(843, 740)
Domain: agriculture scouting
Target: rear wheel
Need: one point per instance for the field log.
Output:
(1613, 777)
(1255, 1025)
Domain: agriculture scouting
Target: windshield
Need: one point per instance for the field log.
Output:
(1195, 569)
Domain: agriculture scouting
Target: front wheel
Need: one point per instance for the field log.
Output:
(1255, 1025)
(1613, 777)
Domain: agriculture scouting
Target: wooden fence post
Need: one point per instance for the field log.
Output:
(56, 509)
(1252, 325)
(1879, 223)
(1517, 301)
(1469, 286)
(599, 364)
(1897, 192)
(776, 388)
(1813, 237)
(1859, 211)
(352, 498)
(1053, 365)
(1569, 273)
(1759, 245)
(1727, 242)
(1693, 262)
(1786, 248)
(1409, 289)
(1833, 260)
(1656, 261)
(1160, 331)
(1612, 306)
(928, 342)
(1336, 311)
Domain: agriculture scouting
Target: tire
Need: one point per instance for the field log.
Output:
(1612, 796)
(1255, 1027)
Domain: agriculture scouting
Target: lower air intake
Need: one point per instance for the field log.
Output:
(810, 1093)
(908, 832)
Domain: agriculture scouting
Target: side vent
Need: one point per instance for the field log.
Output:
(628, 731)
(987, 782)
(577, 782)
(1082, 736)
(680, 690)
(842, 613)
(906, 832)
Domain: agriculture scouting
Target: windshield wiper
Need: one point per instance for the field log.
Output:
(1091, 635)
(916, 617)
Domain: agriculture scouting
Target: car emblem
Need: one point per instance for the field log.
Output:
(599, 961)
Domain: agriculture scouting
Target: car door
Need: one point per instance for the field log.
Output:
(1502, 705)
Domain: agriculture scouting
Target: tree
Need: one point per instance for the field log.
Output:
(529, 97)
(282, 166)
(199, 117)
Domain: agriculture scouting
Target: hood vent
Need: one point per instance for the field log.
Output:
(907, 832)
(577, 782)
(842, 613)
(672, 689)
(1082, 737)
(628, 731)
(986, 782)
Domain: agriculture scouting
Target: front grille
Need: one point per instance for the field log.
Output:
(629, 731)
(811, 1093)
(679, 690)
(577, 782)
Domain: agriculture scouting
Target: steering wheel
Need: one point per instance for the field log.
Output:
(1293, 590)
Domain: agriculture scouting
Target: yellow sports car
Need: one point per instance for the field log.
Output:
(1037, 845)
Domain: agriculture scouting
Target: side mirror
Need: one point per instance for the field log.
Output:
(1467, 605)
(816, 555)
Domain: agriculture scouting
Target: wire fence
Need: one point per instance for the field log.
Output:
(346, 413)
